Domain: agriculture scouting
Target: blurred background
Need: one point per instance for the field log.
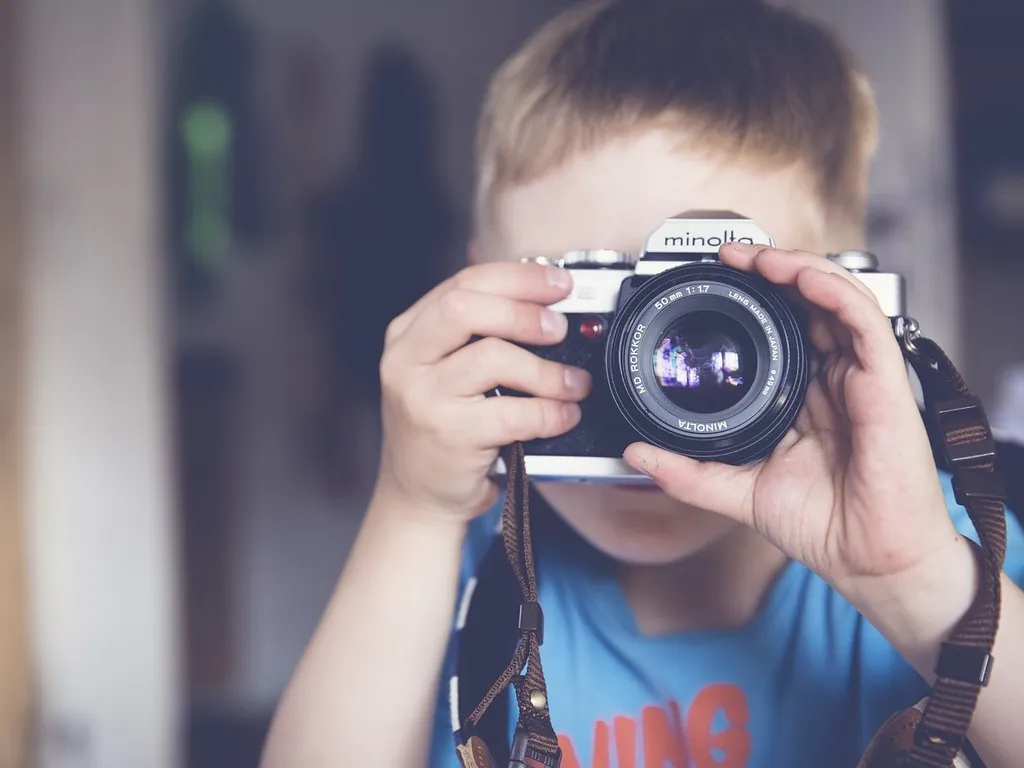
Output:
(209, 210)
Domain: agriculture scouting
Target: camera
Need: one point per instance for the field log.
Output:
(686, 353)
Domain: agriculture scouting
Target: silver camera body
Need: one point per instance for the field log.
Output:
(676, 275)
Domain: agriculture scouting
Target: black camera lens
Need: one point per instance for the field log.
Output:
(705, 362)
(708, 361)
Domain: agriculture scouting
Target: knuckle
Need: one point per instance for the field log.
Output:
(859, 284)
(414, 412)
(390, 384)
(387, 370)
(456, 305)
(499, 360)
(491, 353)
(394, 329)
(407, 396)
(510, 419)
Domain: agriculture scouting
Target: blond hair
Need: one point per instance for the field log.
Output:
(740, 75)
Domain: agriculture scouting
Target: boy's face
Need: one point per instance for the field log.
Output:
(613, 198)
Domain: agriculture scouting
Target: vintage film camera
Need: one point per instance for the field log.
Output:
(686, 353)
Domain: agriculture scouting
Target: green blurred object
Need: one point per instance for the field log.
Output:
(220, 205)
(207, 135)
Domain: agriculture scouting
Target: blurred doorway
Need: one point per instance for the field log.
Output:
(14, 675)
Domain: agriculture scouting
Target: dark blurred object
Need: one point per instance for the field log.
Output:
(1010, 463)
(207, 434)
(988, 59)
(222, 737)
(883, 222)
(379, 237)
(218, 195)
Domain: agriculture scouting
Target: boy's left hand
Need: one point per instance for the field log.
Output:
(852, 490)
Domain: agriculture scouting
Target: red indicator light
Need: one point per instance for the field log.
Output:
(592, 328)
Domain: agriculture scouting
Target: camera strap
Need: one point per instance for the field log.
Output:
(929, 737)
(534, 744)
(959, 424)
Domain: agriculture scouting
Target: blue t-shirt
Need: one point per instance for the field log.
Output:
(807, 683)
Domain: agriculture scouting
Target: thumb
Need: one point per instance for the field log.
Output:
(720, 488)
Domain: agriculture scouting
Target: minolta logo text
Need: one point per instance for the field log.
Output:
(700, 241)
(697, 235)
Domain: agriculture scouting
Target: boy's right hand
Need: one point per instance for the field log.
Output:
(442, 433)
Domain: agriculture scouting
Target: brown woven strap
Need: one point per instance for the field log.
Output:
(535, 744)
(965, 662)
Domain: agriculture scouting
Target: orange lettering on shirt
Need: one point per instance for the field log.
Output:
(664, 746)
(733, 742)
(601, 754)
(625, 741)
(666, 743)
(569, 759)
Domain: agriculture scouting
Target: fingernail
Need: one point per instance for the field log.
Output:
(577, 380)
(559, 278)
(552, 323)
(572, 413)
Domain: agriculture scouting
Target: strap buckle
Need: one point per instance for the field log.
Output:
(525, 756)
(965, 664)
(978, 485)
(933, 737)
(531, 619)
(964, 413)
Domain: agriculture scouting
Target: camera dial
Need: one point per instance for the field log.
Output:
(590, 259)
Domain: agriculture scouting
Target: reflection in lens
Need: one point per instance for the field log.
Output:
(706, 362)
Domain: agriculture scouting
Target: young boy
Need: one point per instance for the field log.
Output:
(762, 616)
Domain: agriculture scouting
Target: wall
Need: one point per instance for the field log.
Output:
(964, 297)
(101, 542)
(902, 48)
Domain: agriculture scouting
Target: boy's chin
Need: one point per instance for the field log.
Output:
(629, 548)
(636, 525)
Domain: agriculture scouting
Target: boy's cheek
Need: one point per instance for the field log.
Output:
(480, 252)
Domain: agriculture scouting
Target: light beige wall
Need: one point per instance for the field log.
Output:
(102, 546)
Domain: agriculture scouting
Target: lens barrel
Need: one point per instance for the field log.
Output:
(710, 362)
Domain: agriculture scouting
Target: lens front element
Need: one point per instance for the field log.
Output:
(706, 362)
